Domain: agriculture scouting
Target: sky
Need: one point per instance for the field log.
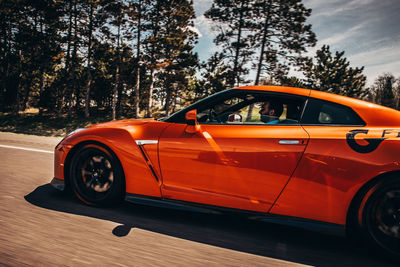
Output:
(367, 30)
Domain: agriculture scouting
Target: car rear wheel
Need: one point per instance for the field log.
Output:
(379, 217)
(96, 176)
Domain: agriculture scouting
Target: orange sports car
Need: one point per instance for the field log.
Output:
(269, 151)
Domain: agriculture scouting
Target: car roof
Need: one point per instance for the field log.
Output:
(274, 88)
(372, 114)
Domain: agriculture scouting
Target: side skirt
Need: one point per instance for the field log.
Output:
(324, 227)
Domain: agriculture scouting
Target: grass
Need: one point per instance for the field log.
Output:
(45, 125)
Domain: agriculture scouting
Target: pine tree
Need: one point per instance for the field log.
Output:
(117, 20)
(214, 75)
(29, 50)
(176, 44)
(332, 73)
(137, 15)
(282, 35)
(235, 24)
(153, 57)
(94, 20)
(385, 91)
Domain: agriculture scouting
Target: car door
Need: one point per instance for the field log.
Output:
(338, 157)
(242, 165)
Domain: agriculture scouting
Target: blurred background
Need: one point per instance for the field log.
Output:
(65, 64)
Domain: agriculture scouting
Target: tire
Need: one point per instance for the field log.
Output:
(96, 177)
(379, 217)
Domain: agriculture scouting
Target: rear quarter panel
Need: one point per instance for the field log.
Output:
(330, 172)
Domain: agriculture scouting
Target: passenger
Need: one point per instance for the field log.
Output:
(271, 111)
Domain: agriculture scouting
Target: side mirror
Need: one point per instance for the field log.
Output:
(191, 117)
(191, 121)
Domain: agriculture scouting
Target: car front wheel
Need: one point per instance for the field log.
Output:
(96, 176)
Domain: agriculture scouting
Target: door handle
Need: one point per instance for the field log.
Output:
(289, 142)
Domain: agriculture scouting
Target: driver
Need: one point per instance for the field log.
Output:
(271, 111)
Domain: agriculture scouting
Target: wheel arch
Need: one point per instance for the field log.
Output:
(361, 193)
(76, 148)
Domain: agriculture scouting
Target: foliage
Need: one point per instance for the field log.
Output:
(135, 58)
(235, 23)
(385, 91)
(266, 34)
(282, 36)
(332, 73)
(75, 55)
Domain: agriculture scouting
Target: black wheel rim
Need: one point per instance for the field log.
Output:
(94, 175)
(384, 220)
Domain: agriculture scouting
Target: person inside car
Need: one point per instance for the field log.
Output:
(271, 111)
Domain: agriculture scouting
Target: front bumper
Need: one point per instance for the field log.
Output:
(58, 184)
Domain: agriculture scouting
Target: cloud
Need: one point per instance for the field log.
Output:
(366, 30)
(340, 37)
(201, 6)
(378, 61)
(205, 46)
(330, 8)
(203, 22)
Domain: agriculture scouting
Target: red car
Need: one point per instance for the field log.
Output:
(265, 150)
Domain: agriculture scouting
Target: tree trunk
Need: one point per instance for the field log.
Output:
(18, 87)
(89, 74)
(87, 100)
(6, 65)
(267, 11)
(115, 94)
(151, 88)
(167, 101)
(69, 39)
(74, 52)
(137, 88)
(67, 60)
(115, 91)
(235, 75)
(72, 70)
(174, 105)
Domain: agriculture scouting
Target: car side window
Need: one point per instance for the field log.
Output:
(319, 112)
(252, 108)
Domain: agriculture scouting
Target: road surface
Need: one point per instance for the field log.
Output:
(42, 227)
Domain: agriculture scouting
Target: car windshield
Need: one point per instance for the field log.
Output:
(181, 113)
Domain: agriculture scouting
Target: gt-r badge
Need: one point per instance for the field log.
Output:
(373, 143)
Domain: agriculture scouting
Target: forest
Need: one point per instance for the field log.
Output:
(135, 58)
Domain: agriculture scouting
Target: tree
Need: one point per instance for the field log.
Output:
(153, 56)
(93, 21)
(282, 35)
(61, 56)
(332, 73)
(29, 50)
(214, 74)
(235, 24)
(292, 82)
(176, 44)
(117, 11)
(137, 14)
(386, 91)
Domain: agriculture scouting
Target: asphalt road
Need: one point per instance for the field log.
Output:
(40, 226)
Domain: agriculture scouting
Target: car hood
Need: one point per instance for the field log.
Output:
(121, 123)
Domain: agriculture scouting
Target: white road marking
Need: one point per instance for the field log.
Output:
(27, 149)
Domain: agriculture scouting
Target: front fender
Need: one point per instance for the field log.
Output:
(121, 140)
